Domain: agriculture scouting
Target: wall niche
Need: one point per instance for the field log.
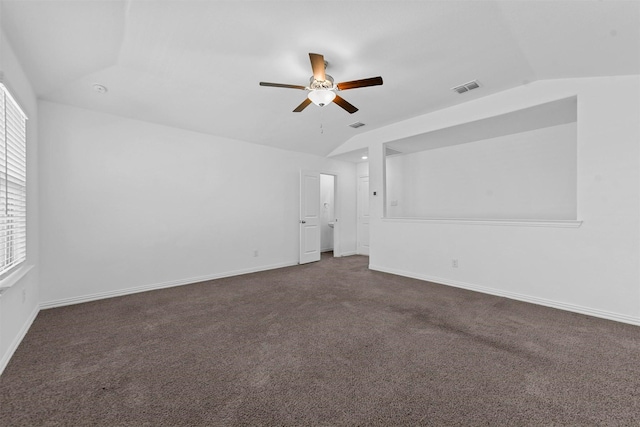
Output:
(520, 166)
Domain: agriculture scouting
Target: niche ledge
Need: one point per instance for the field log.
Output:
(498, 222)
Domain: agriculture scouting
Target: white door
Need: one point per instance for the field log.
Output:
(309, 216)
(363, 215)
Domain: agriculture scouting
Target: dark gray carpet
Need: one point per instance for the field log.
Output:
(330, 343)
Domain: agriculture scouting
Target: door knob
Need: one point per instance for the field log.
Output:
(302, 221)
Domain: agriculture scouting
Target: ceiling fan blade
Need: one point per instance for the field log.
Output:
(302, 106)
(344, 104)
(282, 85)
(354, 84)
(317, 65)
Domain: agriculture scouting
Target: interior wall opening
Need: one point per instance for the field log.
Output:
(520, 165)
(327, 212)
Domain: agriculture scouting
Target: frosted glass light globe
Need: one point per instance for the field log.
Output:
(321, 97)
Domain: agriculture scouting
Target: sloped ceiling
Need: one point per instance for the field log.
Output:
(196, 64)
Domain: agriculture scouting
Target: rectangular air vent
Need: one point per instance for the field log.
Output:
(356, 125)
(466, 87)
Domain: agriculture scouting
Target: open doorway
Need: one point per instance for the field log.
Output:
(319, 227)
(327, 212)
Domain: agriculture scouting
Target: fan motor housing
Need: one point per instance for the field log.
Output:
(327, 83)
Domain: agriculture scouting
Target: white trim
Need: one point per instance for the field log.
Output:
(8, 93)
(515, 296)
(144, 288)
(6, 357)
(14, 277)
(501, 222)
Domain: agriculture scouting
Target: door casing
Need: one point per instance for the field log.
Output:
(310, 245)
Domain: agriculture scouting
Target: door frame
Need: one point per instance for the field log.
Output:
(309, 214)
(337, 213)
(336, 206)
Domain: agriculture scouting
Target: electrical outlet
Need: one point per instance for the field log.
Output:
(454, 263)
(255, 252)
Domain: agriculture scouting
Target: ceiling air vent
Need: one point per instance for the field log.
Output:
(466, 87)
(356, 125)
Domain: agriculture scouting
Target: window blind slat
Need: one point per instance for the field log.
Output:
(5, 240)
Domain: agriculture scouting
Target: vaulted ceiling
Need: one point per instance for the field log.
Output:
(196, 64)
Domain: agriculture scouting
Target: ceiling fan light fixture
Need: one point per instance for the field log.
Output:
(321, 97)
(322, 89)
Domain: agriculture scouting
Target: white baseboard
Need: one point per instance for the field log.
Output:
(349, 253)
(18, 339)
(515, 296)
(128, 291)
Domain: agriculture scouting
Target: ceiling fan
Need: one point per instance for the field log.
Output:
(322, 90)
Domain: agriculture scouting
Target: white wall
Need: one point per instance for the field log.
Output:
(592, 269)
(19, 303)
(128, 205)
(527, 175)
(362, 169)
(327, 208)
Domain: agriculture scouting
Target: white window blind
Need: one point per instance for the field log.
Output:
(13, 183)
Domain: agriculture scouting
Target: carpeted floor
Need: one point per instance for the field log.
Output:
(329, 343)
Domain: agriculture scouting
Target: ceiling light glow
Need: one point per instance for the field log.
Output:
(321, 97)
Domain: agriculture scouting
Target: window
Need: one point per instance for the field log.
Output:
(13, 184)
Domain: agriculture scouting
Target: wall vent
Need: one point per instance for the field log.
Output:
(474, 84)
(356, 125)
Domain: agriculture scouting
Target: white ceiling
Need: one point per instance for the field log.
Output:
(196, 64)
